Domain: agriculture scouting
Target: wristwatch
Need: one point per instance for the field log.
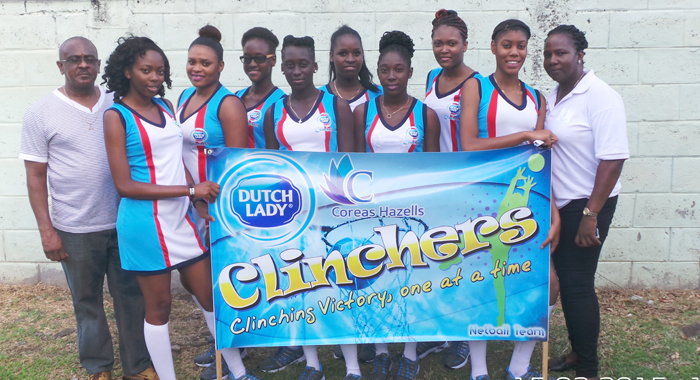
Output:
(587, 212)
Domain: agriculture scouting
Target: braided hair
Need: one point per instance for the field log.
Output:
(365, 75)
(508, 26)
(263, 34)
(305, 41)
(577, 36)
(123, 58)
(449, 18)
(398, 42)
(210, 36)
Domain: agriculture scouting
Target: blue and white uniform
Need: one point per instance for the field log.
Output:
(256, 116)
(316, 132)
(405, 137)
(157, 235)
(447, 107)
(498, 116)
(361, 98)
(201, 129)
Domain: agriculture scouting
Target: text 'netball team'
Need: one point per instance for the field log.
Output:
(155, 152)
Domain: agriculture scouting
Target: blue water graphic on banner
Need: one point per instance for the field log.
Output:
(334, 248)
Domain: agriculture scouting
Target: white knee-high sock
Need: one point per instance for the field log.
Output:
(231, 355)
(382, 348)
(477, 350)
(409, 351)
(522, 352)
(158, 344)
(520, 360)
(352, 366)
(311, 353)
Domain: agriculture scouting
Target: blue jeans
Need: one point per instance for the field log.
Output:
(90, 257)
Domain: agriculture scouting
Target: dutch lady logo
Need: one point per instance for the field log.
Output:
(266, 201)
(200, 136)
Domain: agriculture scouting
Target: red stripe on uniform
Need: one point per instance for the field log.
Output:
(251, 130)
(491, 114)
(201, 154)
(327, 141)
(152, 173)
(413, 124)
(529, 95)
(432, 87)
(371, 130)
(280, 130)
(453, 124)
(196, 233)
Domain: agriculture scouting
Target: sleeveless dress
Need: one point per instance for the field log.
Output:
(316, 132)
(256, 116)
(447, 107)
(498, 116)
(159, 235)
(361, 98)
(405, 137)
(201, 130)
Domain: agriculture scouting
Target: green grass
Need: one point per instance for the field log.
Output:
(637, 339)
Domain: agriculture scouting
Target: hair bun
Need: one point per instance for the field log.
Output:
(396, 37)
(441, 13)
(210, 31)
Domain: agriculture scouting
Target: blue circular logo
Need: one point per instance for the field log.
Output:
(324, 118)
(266, 200)
(199, 136)
(254, 115)
(271, 196)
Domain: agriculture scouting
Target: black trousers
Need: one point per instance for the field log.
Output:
(576, 267)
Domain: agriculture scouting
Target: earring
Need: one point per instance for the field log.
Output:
(579, 61)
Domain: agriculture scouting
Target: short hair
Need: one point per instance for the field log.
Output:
(399, 42)
(305, 41)
(263, 34)
(80, 38)
(579, 37)
(124, 57)
(508, 26)
(210, 36)
(449, 18)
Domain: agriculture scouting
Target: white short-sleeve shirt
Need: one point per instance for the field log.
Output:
(70, 139)
(591, 126)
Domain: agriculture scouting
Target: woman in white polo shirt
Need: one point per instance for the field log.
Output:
(588, 117)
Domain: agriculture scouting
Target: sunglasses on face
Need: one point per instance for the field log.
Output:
(258, 58)
(76, 59)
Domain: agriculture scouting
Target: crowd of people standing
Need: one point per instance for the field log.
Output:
(124, 205)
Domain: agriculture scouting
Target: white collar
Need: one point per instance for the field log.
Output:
(80, 107)
(582, 86)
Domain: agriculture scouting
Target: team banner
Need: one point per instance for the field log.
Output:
(337, 248)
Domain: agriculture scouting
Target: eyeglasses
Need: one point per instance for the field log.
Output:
(76, 59)
(258, 58)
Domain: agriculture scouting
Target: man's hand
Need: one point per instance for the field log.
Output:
(53, 246)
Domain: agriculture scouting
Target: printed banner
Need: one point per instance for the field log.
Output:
(337, 248)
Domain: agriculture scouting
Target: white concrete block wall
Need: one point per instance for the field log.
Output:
(646, 49)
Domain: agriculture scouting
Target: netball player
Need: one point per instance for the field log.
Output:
(259, 45)
(444, 84)
(310, 120)
(396, 122)
(210, 116)
(155, 224)
(500, 111)
(349, 77)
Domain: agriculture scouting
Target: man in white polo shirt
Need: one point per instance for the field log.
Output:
(62, 136)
